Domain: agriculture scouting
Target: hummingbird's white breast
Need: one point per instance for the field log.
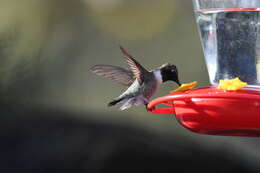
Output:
(158, 76)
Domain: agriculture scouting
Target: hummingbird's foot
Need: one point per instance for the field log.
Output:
(149, 110)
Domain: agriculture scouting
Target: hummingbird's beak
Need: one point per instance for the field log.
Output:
(178, 82)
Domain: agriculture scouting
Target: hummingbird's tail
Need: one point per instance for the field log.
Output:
(114, 102)
(126, 103)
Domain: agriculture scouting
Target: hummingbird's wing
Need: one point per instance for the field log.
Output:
(138, 70)
(117, 74)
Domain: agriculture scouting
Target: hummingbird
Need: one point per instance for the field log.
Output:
(142, 84)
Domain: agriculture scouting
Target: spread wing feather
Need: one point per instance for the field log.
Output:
(138, 70)
(117, 74)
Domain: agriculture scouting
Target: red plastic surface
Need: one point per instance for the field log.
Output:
(209, 110)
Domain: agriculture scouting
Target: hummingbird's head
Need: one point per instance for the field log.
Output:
(169, 72)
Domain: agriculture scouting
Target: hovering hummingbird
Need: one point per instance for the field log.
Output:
(142, 84)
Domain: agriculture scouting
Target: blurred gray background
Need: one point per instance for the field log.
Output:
(48, 46)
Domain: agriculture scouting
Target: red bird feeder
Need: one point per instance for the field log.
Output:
(209, 110)
(229, 35)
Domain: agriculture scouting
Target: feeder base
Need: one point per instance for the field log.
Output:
(209, 110)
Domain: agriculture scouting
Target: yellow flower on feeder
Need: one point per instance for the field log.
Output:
(185, 87)
(231, 84)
